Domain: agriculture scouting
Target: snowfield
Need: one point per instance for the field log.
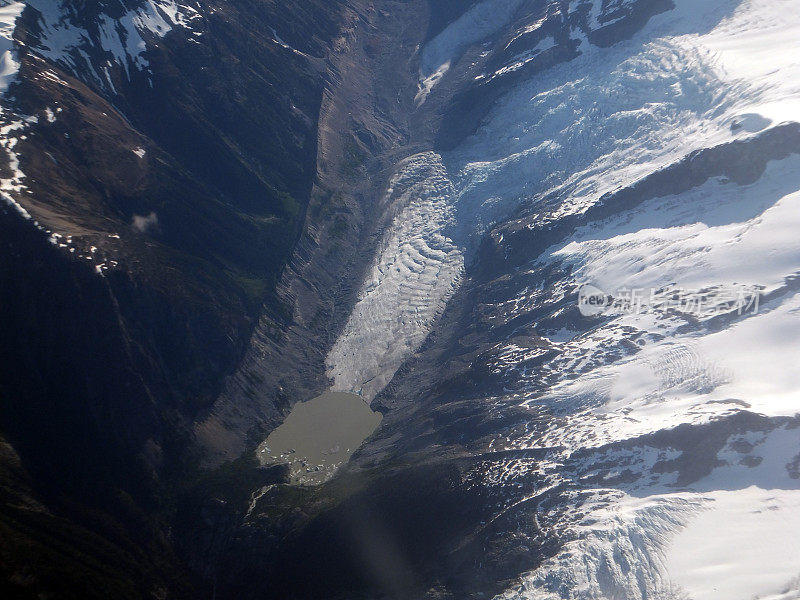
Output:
(733, 535)
(684, 518)
(119, 41)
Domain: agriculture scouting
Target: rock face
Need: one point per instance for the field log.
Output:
(213, 210)
(158, 167)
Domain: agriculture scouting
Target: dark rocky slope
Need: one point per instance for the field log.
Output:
(164, 202)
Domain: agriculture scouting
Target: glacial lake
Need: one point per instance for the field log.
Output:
(319, 436)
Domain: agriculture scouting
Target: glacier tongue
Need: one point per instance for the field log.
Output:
(413, 277)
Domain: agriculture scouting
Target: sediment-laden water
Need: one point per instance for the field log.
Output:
(319, 436)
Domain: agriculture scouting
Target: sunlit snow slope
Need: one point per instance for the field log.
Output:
(665, 162)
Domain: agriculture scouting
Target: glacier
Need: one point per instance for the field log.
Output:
(706, 76)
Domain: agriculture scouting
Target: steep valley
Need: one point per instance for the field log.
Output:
(218, 215)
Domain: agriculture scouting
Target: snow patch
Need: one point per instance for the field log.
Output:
(426, 84)
(278, 40)
(120, 39)
(520, 60)
(8, 63)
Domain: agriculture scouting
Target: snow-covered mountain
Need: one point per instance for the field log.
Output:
(554, 242)
(95, 39)
(659, 163)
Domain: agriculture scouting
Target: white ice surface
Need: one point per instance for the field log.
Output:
(8, 63)
(733, 535)
(759, 44)
(414, 274)
(719, 234)
(735, 538)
